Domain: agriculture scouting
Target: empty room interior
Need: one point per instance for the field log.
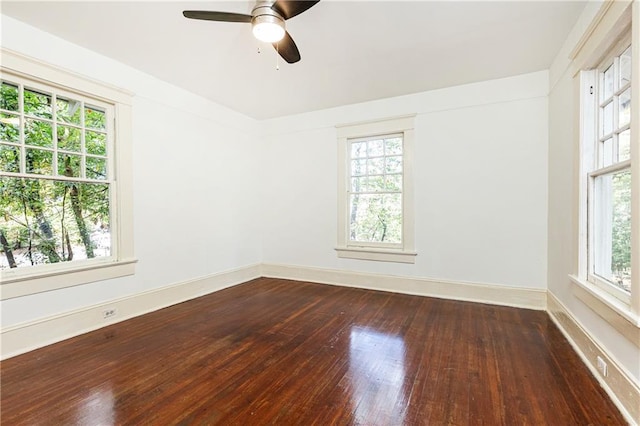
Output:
(320, 212)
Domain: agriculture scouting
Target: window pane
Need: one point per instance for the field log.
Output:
(358, 149)
(624, 145)
(96, 168)
(607, 152)
(39, 162)
(376, 183)
(36, 103)
(607, 84)
(68, 110)
(359, 184)
(606, 118)
(9, 97)
(375, 166)
(38, 133)
(612, 228)
(394, 164)
(624, 111)
(10, 128)
(625, 67)
(68, 138)
(375, 148)
(393, 146)
(51, 222)
(376, 218)
(69, 165)
(9, 158)
(96, 143)
(394, 182)
(358, 167)
(95, 118)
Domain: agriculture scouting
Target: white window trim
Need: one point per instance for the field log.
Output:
(22, 282)
(635, 159)
(590, 169)
(609, 29)
(406, 253)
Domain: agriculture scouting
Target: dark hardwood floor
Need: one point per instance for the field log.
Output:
(290, 353)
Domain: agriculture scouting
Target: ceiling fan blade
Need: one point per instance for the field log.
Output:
(287, 49)
(289, 9)
(216, 16)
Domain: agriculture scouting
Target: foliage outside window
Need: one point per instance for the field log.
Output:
(375, 194)
(55, 179)
(609, 198)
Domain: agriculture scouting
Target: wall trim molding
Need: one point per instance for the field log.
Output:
(529, 298)
(588, 32)
(28, 336)
(622, 390)
(618, 384)
(613, 311)
(31, 335)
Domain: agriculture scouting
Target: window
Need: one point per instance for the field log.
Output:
(606, 277)
(54, 179)
(376, 200)
(61, 207)
(375, 193)
(607, 154)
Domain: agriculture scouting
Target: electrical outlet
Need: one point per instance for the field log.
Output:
(109, 313)
(602, 366)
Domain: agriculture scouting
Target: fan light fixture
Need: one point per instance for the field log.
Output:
(267, 20)
(268, 28)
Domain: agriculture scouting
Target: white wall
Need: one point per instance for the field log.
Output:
(562, 249)
(193, 182)
(480, 183)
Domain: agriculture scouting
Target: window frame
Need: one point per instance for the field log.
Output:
(21, 282)
(403, 252)
(592, 142)
(617, 24)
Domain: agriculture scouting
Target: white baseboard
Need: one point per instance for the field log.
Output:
(32, 335)
(530, 298)
(622, 390)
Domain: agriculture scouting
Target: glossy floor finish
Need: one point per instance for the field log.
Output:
(289, 353)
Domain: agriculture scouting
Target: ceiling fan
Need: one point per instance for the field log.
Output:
(267, 19)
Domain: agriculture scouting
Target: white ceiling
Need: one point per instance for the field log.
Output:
(351, 51)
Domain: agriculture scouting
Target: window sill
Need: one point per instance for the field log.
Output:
(17, 285)
(379, 255)
(612, 310)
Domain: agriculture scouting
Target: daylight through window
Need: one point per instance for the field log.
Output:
(375, 196)
(55, 178)
(610, 178)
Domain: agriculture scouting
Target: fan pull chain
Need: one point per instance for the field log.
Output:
(278, 57)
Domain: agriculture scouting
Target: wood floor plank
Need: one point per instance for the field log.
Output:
(283, 352)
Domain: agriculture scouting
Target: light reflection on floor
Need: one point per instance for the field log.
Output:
(377, 376)
(97, 408)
